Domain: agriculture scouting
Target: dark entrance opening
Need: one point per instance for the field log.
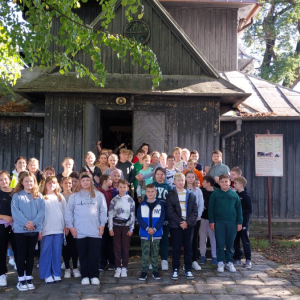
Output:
(116, 128)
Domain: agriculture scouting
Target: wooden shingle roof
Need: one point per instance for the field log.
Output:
(266, 98)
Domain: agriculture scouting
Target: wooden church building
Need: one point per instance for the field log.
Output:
(196, 46)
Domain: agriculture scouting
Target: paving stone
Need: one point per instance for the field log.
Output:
(64, 297)
(293, 289)
(262, 267)
(229, 297)
(210, 289)
(220, 280)
(250, 282)
(84, 289)
(274, 290)
(197, 297)
(180, 289)
(149, 289)
(99, 297)
(241, 290)
(59, 288)
(252, 274)
(115, 289)
(105, 279)
(28, 296)
(132, 297)
(275, 281)
(264, 297)
(294, 297)
(167, 297)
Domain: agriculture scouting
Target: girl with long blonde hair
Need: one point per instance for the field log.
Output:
(28, 210)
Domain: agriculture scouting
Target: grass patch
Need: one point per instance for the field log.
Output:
(289, 244)
(260, 243)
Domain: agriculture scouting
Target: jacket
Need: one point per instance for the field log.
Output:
(246, 207)
(174, 210)
(158, 218)
(225, 207)
(217, 170)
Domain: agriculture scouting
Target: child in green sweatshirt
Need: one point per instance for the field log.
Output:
(225, 217)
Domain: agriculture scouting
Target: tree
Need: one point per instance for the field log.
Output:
(275, 36)
(33, 37)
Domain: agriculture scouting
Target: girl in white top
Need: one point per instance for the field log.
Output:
(52, 232)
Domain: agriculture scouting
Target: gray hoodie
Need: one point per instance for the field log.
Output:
(24, 209)
(54, 221)
(86, 213)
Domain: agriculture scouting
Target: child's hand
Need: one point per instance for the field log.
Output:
(140, 199)
(239, 227)
(217, 179)
(212, 226)
(129, 233)
(30, 226)
(73, 232)
(97, 179)
(40, 236)
(183, 224)
(111, 233)
(66, 230)
(139, 177)
(8, 219)
(150, 231)
(206, 169)
(101, 230)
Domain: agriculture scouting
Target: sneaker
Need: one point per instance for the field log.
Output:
(183, 267)
(248, 264)
(230, 267)
(164, 265)
(12, 261)
(189, 275)
(49, 280)
(38, 265)
(57, 278)
(3, 281)
(150, 267)
(196, 266)
(30, 285)
(22, 286)
(220, 266)
(124, 272)
(111, 268)
(95, 281)
(67, 273)
(237, 262)
(155, 275)
(214, 261)
(143, 276)
(62, 266)
(202, 260)
(118, 273)
(76, 273)
(85, 281)
(175, 274)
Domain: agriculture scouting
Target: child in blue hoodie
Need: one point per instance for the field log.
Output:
(151, 217)
(28, 211)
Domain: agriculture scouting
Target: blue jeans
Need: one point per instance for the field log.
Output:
(50, 259)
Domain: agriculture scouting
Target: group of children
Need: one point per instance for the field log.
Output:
(91, 215)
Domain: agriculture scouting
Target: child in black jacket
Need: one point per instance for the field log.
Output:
(182, 212)
(239, 185)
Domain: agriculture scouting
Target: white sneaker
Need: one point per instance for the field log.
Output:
(220, 266)
(12, 261)
(62, 266)
(57, 278)
(118, 272)
(95, 281)
(3, 281)
(196, 266)
(15, 267)
(164, 265)
(76, 273)
(85, 281)
(150, 267)
(124, 272)
(183, 267)
(22, 286)
(230, 267)
(49, 280)
(67, 273)
(30, 285)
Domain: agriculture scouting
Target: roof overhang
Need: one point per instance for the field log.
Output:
(137, 84)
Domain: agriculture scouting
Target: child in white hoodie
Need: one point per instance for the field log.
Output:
(53, 228)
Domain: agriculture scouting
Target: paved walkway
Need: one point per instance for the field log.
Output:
(260, 282)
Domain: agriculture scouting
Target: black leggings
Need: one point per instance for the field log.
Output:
(196, 241)
(6, 235)
(26, 245)
(70, 251)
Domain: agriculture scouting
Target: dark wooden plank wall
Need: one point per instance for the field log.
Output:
(15, 141)
(213, 31)
(285, 190)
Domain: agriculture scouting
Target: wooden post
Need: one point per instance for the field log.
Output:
(269, 205)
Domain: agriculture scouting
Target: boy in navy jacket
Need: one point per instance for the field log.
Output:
(151, 217)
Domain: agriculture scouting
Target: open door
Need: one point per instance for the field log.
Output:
(149, 127)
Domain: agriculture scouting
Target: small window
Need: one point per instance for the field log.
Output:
(137, 30)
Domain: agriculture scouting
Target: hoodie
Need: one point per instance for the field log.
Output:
(86, 214)
(246, 207)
